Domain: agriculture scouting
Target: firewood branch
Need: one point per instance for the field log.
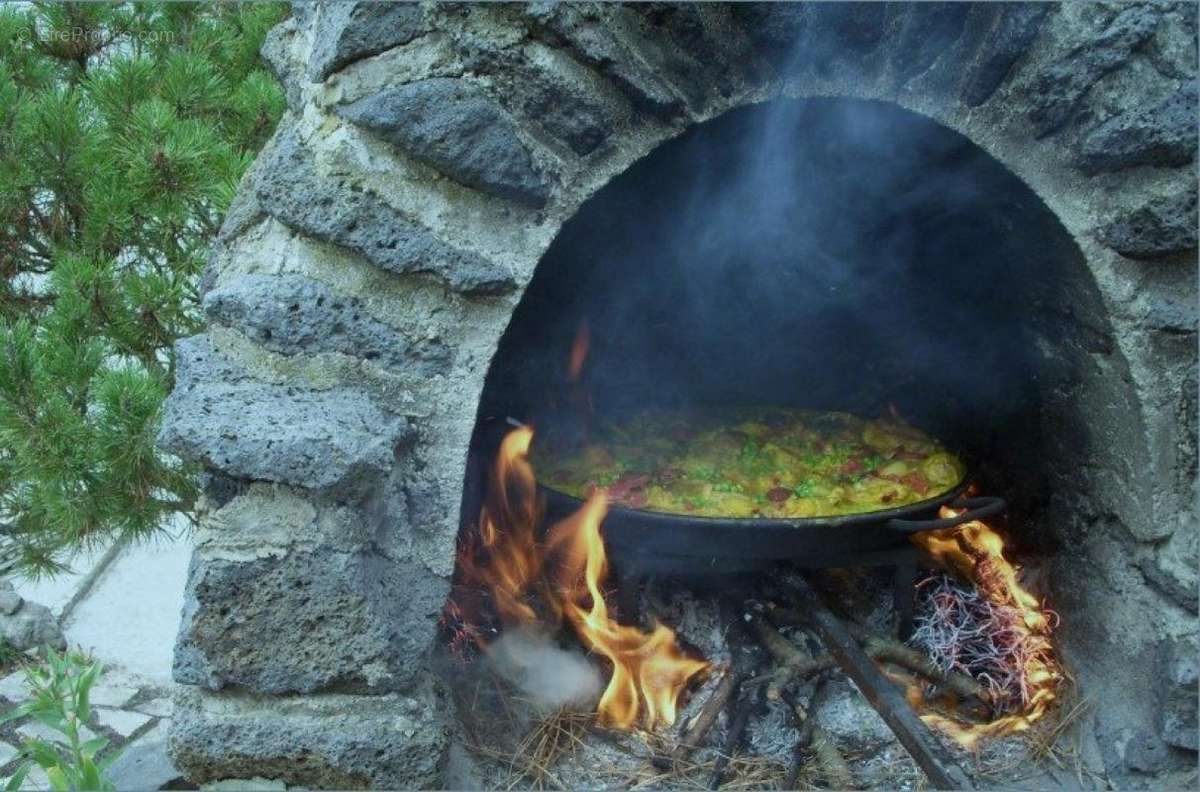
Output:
(702, 724)
(892, 651)
(831, 765)
(889, 650)
(792, 664)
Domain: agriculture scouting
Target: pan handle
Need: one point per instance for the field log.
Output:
(976, 508)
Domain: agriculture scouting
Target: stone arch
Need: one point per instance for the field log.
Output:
(381, 242)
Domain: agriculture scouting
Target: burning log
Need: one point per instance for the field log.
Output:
(933, 759)
(700, 726)
(889, 650)
(832, 766)
(793, 664)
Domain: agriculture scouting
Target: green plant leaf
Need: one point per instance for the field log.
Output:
(53, 719)
(41, 752)
(83, 707)
(58, 779)
(53, 659)
(89, 776)
(93, 746)
(18, 778)
(18, 712)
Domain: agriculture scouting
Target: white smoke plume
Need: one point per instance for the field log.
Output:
(549, 676)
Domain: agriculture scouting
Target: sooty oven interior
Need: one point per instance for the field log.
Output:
(823, 254)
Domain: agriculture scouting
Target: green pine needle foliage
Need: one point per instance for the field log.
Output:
(124, 130)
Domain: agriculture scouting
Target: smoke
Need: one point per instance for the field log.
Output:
(548, 676)
(823, 253)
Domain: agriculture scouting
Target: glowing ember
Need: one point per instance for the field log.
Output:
(563, 576)
(999, 633)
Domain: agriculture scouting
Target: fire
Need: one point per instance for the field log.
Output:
(579, 352)
(975, 552)
(563, 576)
(509, 556)
(649, 670)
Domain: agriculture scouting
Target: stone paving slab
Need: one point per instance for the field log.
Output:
(36, 780)
(158, 707)
(144, 764)
(126, 617)
(130, 617)
(37, 730)
(123, 722)
(113, 689)
(13, 688)
(56, 591)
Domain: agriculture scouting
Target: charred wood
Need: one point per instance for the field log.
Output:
(746, 702)
(791, 663)
(702, 724)
(890, 650)
(930, 755)
(831, 765)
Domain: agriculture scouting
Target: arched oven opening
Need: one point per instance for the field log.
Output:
(823, 255)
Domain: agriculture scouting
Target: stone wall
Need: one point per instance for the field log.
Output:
(378, 247)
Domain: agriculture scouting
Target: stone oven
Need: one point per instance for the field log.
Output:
(455, 185)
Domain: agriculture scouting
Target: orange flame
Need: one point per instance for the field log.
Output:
(579, 351)
(649, 670)
(508, 524)
(565, 574)
(976, 553)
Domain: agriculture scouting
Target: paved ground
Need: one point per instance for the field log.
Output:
(122, 607)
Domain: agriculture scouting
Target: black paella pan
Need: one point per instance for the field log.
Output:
(679, 544)
(641, 541)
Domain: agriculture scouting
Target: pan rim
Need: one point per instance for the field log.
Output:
(899, 512)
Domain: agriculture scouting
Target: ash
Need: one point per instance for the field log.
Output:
(567, 749)
(694, 617)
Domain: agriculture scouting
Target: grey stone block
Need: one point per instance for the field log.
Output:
(276, 52)
(31, 626)
(581, 124)
(332, 742)
(1171, 584)
(929, 30)
(1146, 753)
(1164, 135)
(292, 314)
(253, 430)
(346, 32)
(697, 48)
(327, 208)
(1181, 687)
(306, 621)
(845, 28)
(819, 38)
(772, 27)
(458, 129)
(1160, 227)
(1061, 86)
(589, 35)
(10, 600)
(1014, 28)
